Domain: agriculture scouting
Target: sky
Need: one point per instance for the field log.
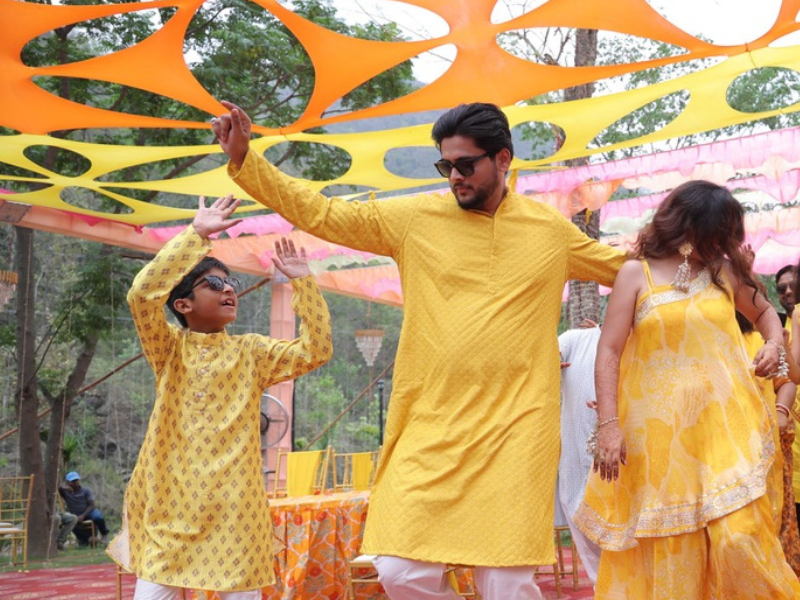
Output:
(725, 22)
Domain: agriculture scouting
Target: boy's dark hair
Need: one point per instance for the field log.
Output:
(184, 288)
(485, 123)
(782, 271)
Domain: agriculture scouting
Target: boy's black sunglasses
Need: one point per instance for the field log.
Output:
(217, 283)
(465, 165)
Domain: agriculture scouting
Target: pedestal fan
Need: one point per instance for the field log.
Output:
(274, 420)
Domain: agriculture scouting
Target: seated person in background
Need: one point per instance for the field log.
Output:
(80, 502)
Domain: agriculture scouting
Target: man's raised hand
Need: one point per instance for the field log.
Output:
(233, 131)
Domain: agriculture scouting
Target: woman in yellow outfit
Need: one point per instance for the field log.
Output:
(685, 440)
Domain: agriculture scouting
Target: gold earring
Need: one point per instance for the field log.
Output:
(684, 274)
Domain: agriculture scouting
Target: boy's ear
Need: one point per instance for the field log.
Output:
(183, 305)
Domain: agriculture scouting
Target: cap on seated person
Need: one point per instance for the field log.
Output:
(72, 476)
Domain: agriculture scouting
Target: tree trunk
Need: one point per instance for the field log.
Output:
(584, 296)
(61, 406)
(27, 398)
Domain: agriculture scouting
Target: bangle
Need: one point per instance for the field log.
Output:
(607, 421)
(783, 409)
(782, 369)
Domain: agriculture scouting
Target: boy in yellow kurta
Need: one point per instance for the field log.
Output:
(196, 514)
(468, 469)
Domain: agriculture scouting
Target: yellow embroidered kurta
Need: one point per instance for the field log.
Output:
(699, 434)
(468, 467)
(196, 513)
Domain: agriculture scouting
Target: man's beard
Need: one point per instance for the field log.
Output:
(478, 200)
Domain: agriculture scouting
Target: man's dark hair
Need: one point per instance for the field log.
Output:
(782, 271)
(184, 288)
(484, 123)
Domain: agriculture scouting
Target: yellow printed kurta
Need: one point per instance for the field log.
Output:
(688, 516)
(196, 513)
(468, 467)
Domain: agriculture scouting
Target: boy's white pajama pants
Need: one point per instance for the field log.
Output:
(147, 590)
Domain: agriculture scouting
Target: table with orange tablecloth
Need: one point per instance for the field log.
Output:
(319, 535)
(315, 536)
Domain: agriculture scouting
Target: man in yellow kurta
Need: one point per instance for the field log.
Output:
(196, 514)
(468, 468)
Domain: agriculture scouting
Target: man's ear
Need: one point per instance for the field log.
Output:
(504, 160)
(183, 305)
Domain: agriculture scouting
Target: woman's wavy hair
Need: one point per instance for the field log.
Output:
(711, 219)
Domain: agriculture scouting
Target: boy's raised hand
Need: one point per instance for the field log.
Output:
(214, 218)
(288, 261)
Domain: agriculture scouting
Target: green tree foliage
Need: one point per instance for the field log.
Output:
(322, 396)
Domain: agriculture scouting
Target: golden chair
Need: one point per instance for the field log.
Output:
(364, 562)
(559, 568)
(576, 561)
(306, 472)
(15, 506)
(353, 471)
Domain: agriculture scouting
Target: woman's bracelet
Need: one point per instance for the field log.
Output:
(607, 421)
(784, 410)
(782, 369)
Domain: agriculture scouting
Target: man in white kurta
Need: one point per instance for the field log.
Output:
(578, 348)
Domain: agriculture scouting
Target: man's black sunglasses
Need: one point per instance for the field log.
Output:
(783, 288)
(465, 165)
(217, 283)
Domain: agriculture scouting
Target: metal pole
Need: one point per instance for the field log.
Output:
(381, 384)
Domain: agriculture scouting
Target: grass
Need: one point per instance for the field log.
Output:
(71, 557)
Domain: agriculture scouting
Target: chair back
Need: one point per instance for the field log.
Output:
(353, 470)
(15, 500)
(15, 508)
(300, 473)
